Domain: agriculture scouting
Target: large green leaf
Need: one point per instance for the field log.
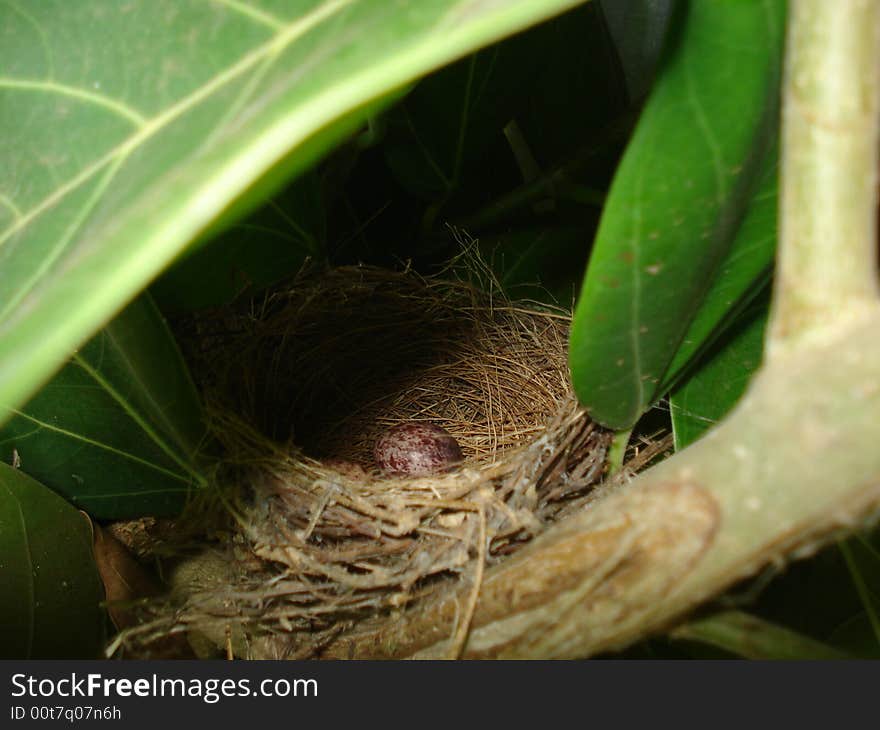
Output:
(49, 602)
(719, 382)
(127, 128)
(742, 275)
(676, 203)
(267, 233)
(117, 430)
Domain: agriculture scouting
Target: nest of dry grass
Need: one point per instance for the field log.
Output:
(305, 536)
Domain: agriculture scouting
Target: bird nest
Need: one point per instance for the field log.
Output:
(302, 536)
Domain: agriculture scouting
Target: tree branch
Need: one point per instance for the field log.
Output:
(826, 264)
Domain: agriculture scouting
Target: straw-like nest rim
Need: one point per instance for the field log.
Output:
(314, 546)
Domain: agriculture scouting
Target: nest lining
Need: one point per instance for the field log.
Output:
(299, 387)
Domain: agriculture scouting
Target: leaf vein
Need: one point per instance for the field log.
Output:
(80, 94)
(708, 135)
(61, 245)
(132, 413)
(100, 445)
(7, 203)
(290, 33)
(252, 13)
(47, 50)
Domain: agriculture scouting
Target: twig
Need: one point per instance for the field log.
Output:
(464, 626)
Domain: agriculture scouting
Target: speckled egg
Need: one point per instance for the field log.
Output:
(415, 450)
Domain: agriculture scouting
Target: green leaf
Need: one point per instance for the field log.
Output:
(719, 382)
(676, 203)
(743, 274)
(752, 637)
(49, 605)
(117, 430)
(240, 254)
(127, 128)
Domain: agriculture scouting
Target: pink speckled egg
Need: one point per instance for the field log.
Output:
(416, 450)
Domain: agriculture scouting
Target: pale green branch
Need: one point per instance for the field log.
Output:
(826, 265)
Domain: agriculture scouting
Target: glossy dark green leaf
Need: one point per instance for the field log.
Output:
(51, 592)
(677, 200)
(718, 383)
(742, 275)
(117, 430)
(126, 129)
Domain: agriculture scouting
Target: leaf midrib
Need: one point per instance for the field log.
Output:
(133, 414)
